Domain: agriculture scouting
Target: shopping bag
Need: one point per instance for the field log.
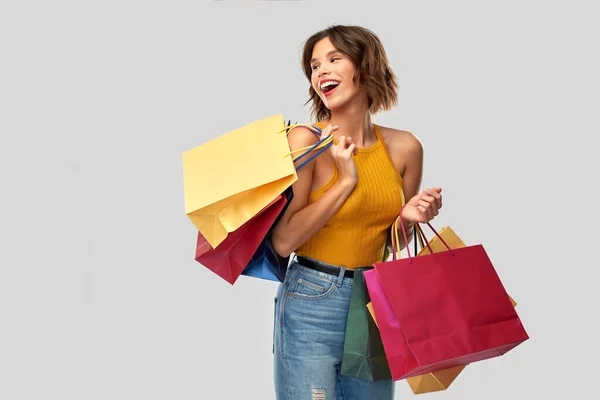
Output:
(364, 356)
(450, 309)
(233, 255)
(392, 336)
(439, 380)
(229, 179)
(266, 263)
(436, 245)
(248, 250)
(431, 382)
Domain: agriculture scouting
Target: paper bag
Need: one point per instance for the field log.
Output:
(442, 310)
(229, 179)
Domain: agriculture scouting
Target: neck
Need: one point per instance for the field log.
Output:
(355, 122)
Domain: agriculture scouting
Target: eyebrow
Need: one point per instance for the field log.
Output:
(327, 55)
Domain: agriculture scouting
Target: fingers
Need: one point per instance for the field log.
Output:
(428, 208)
(346, 146)
(341, 146)
(345, 141)
(431, 203)
(351, 147)
(342, 156)
(329, 129)
(428, 204)
(435, 193)
(423, 215)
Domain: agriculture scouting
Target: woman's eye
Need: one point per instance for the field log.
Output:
(315, 67)
(336, 58)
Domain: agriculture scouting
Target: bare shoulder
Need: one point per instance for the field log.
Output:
(301, 136)
(401, 142)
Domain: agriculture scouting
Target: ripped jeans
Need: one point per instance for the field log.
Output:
(311, 308)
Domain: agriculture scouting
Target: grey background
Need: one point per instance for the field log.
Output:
(100, 296)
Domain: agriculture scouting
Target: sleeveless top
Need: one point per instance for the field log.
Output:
(356, 235)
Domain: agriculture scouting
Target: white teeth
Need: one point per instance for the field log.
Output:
(329, 83)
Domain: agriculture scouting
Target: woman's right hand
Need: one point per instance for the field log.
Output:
(342, 154)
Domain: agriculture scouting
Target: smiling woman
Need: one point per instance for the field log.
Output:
(358, 52)
(344, 204)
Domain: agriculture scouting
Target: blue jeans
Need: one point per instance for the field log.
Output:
(311, 308)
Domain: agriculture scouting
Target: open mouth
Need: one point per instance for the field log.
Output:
(329, 86)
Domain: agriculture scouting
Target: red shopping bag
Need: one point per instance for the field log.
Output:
(441, 310)
(230, 257)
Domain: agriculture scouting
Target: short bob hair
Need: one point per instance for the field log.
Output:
(373, 72)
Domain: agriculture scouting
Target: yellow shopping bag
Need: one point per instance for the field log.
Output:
(439, 380)
(230, 179)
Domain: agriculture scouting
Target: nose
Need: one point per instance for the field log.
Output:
(322, 71)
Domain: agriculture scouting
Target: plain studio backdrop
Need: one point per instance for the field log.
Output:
(100, 295)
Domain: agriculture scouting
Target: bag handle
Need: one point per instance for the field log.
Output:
(386, 252)
(422, 237)
(322, 144)
(314, 129)
(311, 158)
(396, 239)
(431, 227)
(417, 233)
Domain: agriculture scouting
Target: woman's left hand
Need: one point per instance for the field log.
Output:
(423, 207)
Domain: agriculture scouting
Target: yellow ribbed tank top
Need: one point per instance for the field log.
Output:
(356, 235)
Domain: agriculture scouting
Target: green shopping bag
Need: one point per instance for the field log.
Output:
(364, 356)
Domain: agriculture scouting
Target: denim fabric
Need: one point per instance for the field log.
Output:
(311, 309)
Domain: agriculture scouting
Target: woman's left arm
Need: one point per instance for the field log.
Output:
(419, 207)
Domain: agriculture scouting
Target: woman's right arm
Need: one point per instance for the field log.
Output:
(301, 221)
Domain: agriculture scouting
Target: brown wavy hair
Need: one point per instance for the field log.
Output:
(370, 60)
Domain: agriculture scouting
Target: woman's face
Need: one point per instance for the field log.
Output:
(332, 75)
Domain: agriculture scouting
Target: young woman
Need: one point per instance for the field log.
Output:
(344, 204)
